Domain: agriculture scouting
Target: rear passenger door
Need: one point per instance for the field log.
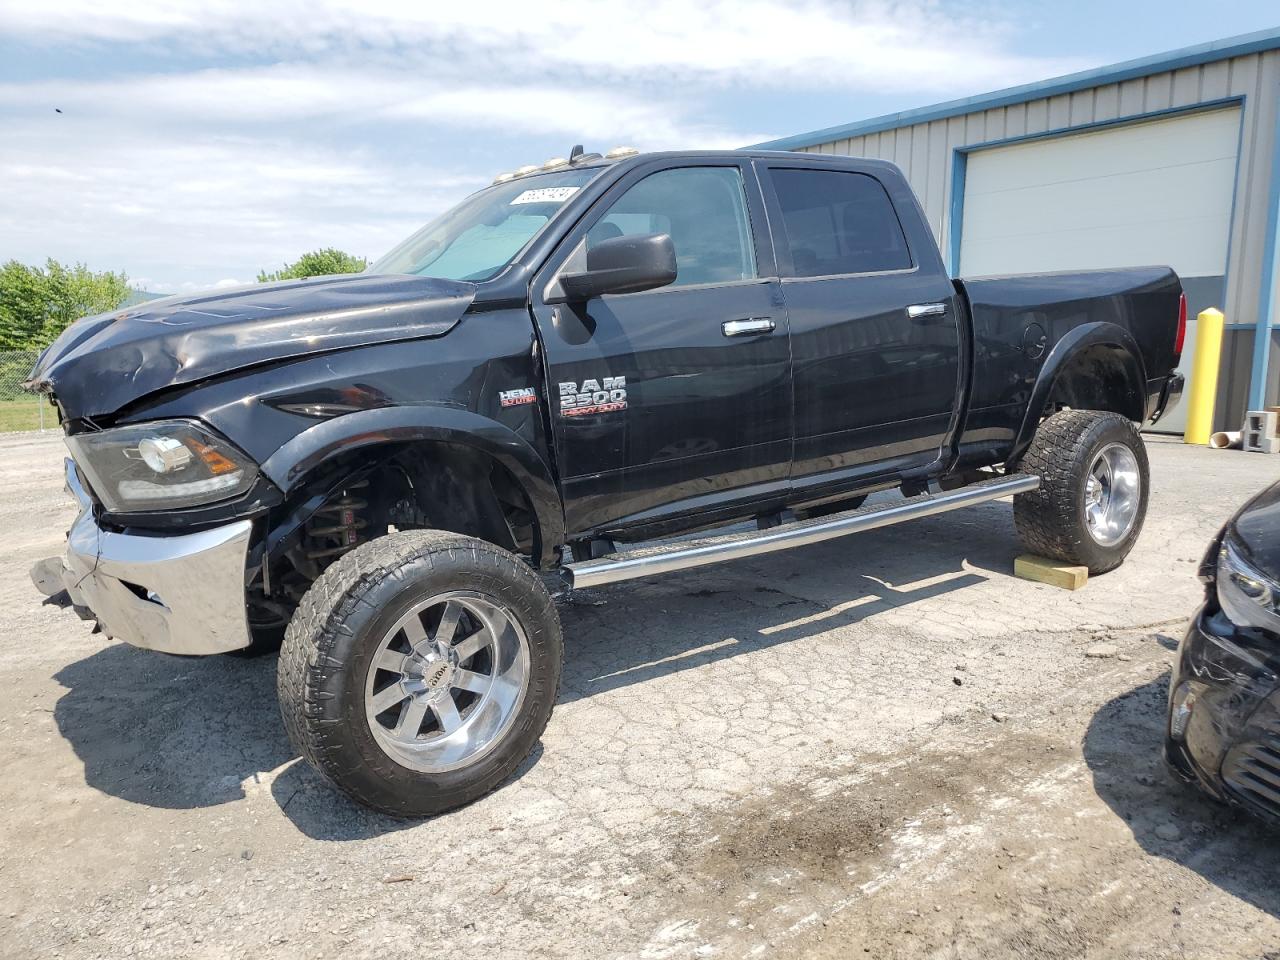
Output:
(875, 337)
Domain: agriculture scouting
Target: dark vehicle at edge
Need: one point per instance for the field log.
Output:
(1224, 695)
(382, 470)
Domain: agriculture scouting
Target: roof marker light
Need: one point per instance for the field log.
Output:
(617, 153)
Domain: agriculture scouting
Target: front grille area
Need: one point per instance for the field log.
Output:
(1251, 771)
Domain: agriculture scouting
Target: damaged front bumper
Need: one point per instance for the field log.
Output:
(176, 594)
(1223, 728)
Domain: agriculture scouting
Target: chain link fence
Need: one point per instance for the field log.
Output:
(20, 410)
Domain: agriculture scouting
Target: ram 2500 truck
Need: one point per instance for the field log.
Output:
(382, 471)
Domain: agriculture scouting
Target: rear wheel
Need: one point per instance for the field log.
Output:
(420, 670)
(1094, 484)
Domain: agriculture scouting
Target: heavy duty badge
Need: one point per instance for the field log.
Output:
(518, 397)
(593, 396)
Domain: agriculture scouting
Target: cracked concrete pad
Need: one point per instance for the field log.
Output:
(768, 758)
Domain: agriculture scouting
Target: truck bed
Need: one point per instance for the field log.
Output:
(1018, 321)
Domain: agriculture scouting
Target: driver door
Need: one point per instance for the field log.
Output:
(673, 402)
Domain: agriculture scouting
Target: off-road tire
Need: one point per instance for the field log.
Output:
(1051, 519)
(333, 636)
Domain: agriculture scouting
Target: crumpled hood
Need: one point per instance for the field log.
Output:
(1257, 529)
(103, 362)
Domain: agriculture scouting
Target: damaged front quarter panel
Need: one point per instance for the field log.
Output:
(101, 363)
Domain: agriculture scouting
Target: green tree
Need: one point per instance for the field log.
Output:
(317, 263)
(37, 303)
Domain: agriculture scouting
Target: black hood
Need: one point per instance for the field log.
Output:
(1256, 528)
(101, 363)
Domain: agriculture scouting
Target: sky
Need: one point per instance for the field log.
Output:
(191, 145)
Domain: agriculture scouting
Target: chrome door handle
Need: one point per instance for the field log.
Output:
(926, 310)
(739, 328)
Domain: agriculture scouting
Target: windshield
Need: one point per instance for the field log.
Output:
(483, 233)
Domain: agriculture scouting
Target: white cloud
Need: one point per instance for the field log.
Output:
(176, 177)
(255, 131)
(169, 211)
(870, 45)
(313, 92)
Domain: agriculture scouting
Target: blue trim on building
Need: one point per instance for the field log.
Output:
(955, 224)
(1235, 203)
(1270, 282)
(1160, 63)
(1125, 121)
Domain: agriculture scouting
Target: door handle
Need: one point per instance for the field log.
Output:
(926, 310)
(740, 328)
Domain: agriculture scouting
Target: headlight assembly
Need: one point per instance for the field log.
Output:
(1248, 596)
(163, 465)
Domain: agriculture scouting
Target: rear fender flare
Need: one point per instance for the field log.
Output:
(1111, 338)
(298, 457)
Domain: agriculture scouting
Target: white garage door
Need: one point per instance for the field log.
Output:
(1142, 193)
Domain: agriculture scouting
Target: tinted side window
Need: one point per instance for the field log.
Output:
(839, 222)
(705, 212)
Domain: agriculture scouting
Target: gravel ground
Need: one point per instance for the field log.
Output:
(882, 746)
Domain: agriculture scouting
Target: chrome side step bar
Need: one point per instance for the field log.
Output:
(668, 558)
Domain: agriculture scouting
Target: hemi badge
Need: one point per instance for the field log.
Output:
(518, 397)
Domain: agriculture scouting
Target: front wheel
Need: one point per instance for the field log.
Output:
(1094, 483)
(420, 670)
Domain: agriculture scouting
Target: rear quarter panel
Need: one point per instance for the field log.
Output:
(1018, 321)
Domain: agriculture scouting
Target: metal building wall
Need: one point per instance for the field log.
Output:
(925, 151)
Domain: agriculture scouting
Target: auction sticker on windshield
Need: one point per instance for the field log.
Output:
(545, 195)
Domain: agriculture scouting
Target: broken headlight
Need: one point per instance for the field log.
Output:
(1248, 597)
(163, 465)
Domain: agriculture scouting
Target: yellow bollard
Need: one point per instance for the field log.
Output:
(1203, 389)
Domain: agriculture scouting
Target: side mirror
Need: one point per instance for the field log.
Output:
(619, 265)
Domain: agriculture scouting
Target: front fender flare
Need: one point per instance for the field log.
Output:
(405, 424)
(1099, 334)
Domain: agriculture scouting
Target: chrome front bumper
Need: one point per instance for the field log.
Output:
(176, 594)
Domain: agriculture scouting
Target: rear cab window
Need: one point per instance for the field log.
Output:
(838, 223)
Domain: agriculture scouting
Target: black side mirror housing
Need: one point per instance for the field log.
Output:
(620, 265)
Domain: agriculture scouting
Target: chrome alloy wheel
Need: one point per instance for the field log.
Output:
(446, 682)
(1112, 494)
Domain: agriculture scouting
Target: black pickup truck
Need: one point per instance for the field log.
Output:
(383, 471)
